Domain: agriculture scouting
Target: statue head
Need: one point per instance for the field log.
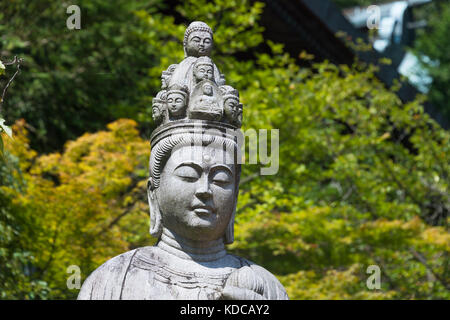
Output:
(194, 171)
(230, 104)
(194, 182)
(198, 40)
(207, 89)
(176, 100)
(158, 106)
(166, 75)
(203, 69)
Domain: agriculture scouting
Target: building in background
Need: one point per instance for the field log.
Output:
(313, 25)
(394, 26)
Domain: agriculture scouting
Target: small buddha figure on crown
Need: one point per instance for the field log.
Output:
(206, 97)
(177, 97)
(167, 75)
(159, 109)
(203, 69)
(231, 107)
(198, 42)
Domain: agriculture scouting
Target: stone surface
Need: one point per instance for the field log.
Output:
(192, 194)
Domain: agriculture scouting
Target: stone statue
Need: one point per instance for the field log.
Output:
(231, 106)
(159, 109)
(167, 75)
(192, 194)
(176, 101)
(198, 42)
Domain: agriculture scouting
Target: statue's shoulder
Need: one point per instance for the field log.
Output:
(107, 279)
(273, 289)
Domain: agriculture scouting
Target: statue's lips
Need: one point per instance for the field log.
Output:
(203, 210)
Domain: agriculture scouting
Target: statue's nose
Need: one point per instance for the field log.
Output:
(203, 191)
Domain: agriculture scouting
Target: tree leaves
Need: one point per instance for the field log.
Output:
(363, 178)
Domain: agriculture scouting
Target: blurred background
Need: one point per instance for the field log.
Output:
(359, 90)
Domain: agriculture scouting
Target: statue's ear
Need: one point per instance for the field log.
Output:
(229, 233)
(155, 213)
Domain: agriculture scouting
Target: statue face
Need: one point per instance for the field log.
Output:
(164, 81)
(204, 71)
(199, 43)
(196, 195)
(230, 107)
(175, 103)
(156, 111)
(207, 90)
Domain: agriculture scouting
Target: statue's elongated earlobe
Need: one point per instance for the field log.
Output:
(155, 213)
(229, 233)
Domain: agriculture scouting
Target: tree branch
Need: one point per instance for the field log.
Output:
(419, 257)
(17, 61)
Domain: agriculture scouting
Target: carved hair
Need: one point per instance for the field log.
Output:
(178, 89)
(228, 92)
(196, 26)
(161, 95)
(204, 60)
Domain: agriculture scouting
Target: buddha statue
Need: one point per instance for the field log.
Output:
(206, 98)
(158, 107)
(167, 75)
(198, 42)
(176, 101)
(192, 194)
(231, 107)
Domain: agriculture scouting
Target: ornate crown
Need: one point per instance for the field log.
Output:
(193, 93)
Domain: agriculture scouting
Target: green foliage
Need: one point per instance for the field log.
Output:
(75, 81)
(16, 260)
(79, 201)
(363, 179)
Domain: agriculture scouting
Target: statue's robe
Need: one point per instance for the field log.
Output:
(150, 273)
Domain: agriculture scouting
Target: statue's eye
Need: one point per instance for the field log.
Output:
(221, 177)
(170, 100)
(187, 173)
(179, 100)
(210, 71)
(202, 70)
(196, 39)
(207, 41)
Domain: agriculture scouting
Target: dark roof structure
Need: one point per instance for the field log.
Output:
(312, 25)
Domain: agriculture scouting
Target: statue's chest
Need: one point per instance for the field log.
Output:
(151, 279)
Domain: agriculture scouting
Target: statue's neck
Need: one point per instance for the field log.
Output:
(189, 249)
